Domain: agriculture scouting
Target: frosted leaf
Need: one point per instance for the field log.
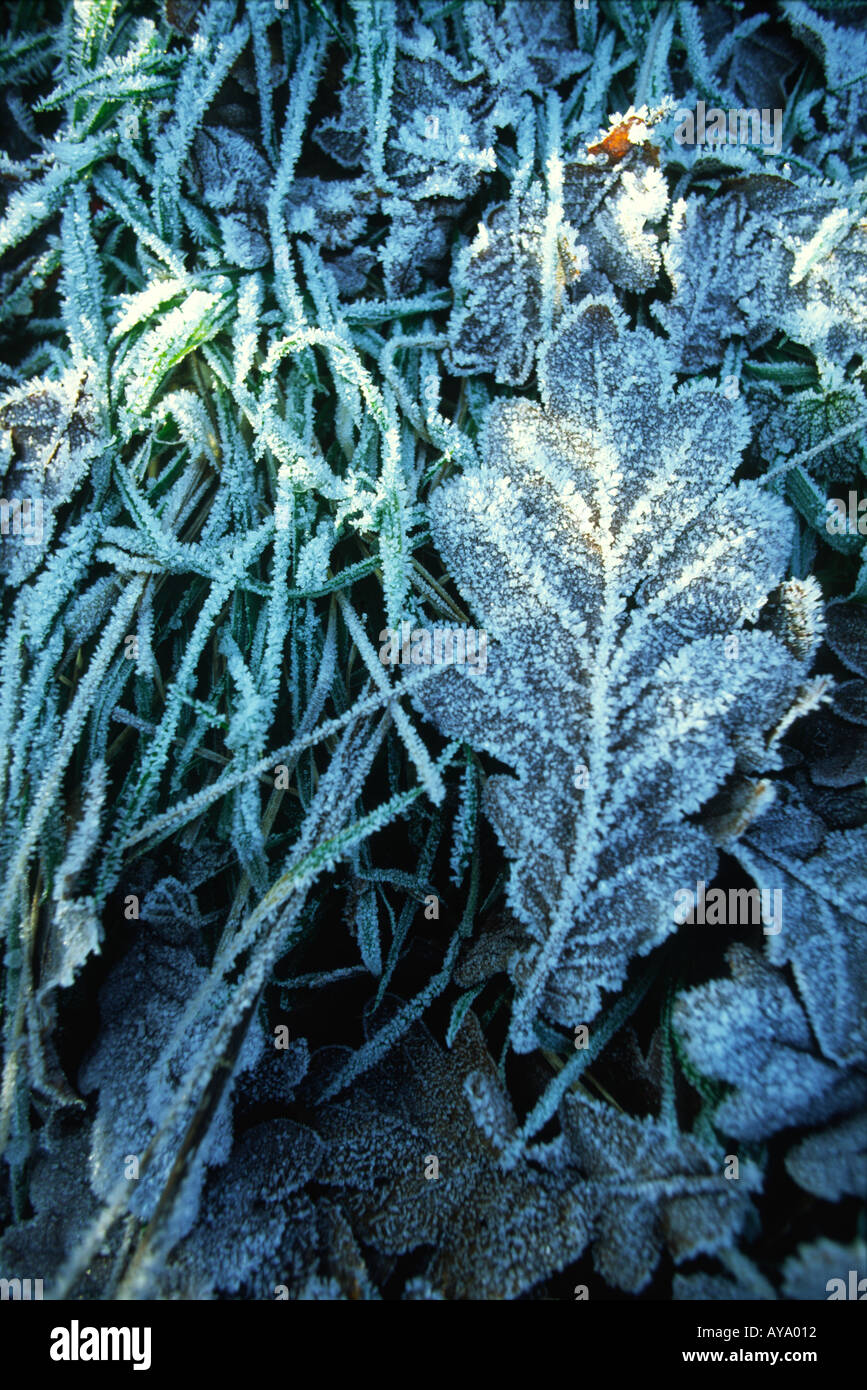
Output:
(843, 52)
(443, 133)
(766, 255)
(63, 1208)
(351, 270)
(850, 702)
(526, 47)
(344, 136)
(788, 821)
(366, 928)
(464, 832)
(649, 1189)
(761, 61)
(824, 916)
(436, 154)
(499, 281)
(234, 181)
(275, 1077)
(495, 1234)
(417, 241)
(836, 748)
(752, 1032)
(491, 1107)
(704, 241)
(796, 423)
(314, 557)
(839, 809)
(141, 1003)
(333, 212)
(51, 433)
(169, 338)
(256, 1228)
(432, 147)
(440, 130)
(603, 550)
(609, 209)
(489, 954)
(229, 171)
(170, 907)
(627, 1185)
(806, 1275)
(244, 241)
(833, 1164)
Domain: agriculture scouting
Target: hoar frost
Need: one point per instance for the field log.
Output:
(609, 555)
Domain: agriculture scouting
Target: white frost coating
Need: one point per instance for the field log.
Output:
(606, 553)
(763, 255)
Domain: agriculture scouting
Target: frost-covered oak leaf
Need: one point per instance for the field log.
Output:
(752, 1032)
(606, 552)
(610, 197)
(518, 257)
(493, 1233)
(767, 255)
(650, 1188)
(526, 47)
(824, 922)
